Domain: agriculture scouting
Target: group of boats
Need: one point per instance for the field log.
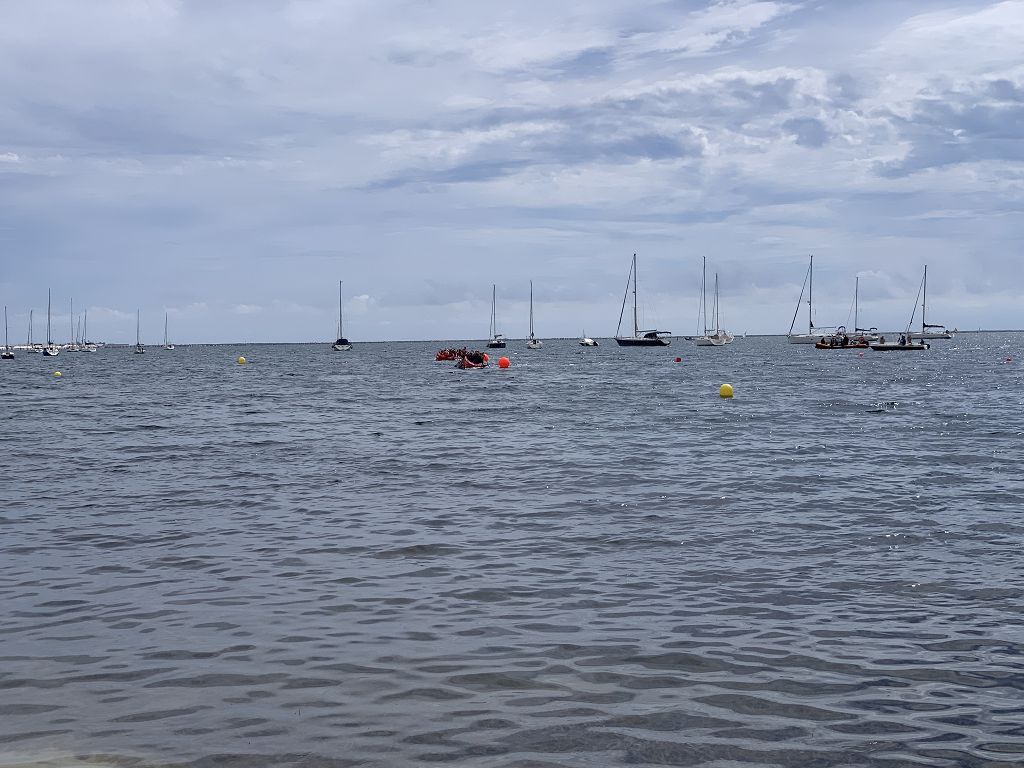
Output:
(710, 331)
(79, 335)
(838, 337)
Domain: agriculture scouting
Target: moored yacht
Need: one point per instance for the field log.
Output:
(651, 338)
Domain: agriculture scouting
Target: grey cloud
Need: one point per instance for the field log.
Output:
(959, 127)
(808, 131)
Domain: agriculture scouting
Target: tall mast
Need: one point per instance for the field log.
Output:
(165, 328)
(72, 339)
(856, 299)
(85, 328)
(717, 329)
(531, 309)
(138, 320)
(48, 341)
(494, 316)
(7, 343)
(704, 293)
(30, 328)
(810, 297)
(341, 319)
(924, 298)
(636, 326)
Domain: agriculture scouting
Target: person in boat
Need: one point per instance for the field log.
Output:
(475, 357)
(903, 339)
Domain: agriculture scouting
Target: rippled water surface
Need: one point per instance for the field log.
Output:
(372, 559)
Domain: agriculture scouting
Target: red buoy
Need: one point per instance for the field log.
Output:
(504, 362)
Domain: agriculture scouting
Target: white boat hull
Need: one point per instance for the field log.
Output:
(803, 338)
(534, 344)
(341, 347)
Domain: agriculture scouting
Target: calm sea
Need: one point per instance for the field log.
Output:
(329, 559)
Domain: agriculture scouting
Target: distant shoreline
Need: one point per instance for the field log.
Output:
(482, 341)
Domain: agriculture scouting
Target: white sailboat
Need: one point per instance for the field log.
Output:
(139, 349)
(533, 342)
(930, 330)
(30, 346)
(586, 341)
(87, 346)
(906, 339)
(7, 354)
(720, 337)
(167, 344)
(496, 340)
(651, 338)
(341, 344)
(812, 336)
(51, 349)
(72, 345)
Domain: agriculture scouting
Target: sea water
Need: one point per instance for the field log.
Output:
(368, 558)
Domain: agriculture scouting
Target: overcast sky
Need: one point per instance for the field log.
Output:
(228, 162)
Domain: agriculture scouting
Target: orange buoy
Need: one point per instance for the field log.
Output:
(504, 362)
(487, 358)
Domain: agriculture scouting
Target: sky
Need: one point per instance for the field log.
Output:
(229, 162)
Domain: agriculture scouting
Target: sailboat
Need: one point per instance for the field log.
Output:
(941, 332)
(719, 338)
(497, 340)
(811, 337)
(341, 344)
(139, 349)
(840, 339)
(51, 349)
(652, 338)
(7, 354)
(87, 346)
(167, 344)
(906, 340)
(30, 346)
(72, 345)
(533, 342)
(586, 341)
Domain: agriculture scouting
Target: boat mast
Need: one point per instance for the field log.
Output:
(494, 317)
(48, 341)
(636, 326)
(341, 319)
(165, 329)
(856, 296)
(138, 319)
(717, 329)
(85, 328)
(72, 339)
(924, 298)
(30, 327)
(704, 293)
(531, 309)
(810, 297)
(7, 342)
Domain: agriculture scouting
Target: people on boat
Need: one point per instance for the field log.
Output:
(903, 338)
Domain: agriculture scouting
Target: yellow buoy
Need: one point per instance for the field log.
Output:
(725, 391)
(57, 374)
(241, 361)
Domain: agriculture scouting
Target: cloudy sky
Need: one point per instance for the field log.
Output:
(228, 162)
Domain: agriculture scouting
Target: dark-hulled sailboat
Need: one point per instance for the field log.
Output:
(651, 338)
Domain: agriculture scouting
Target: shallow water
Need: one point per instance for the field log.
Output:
(367, 558)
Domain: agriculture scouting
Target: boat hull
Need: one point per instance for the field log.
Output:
(891, 347)
(496, 345)
(633, 341)
(341, 347)
(803, 338)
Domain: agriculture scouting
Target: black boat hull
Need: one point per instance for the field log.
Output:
(627, 342)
